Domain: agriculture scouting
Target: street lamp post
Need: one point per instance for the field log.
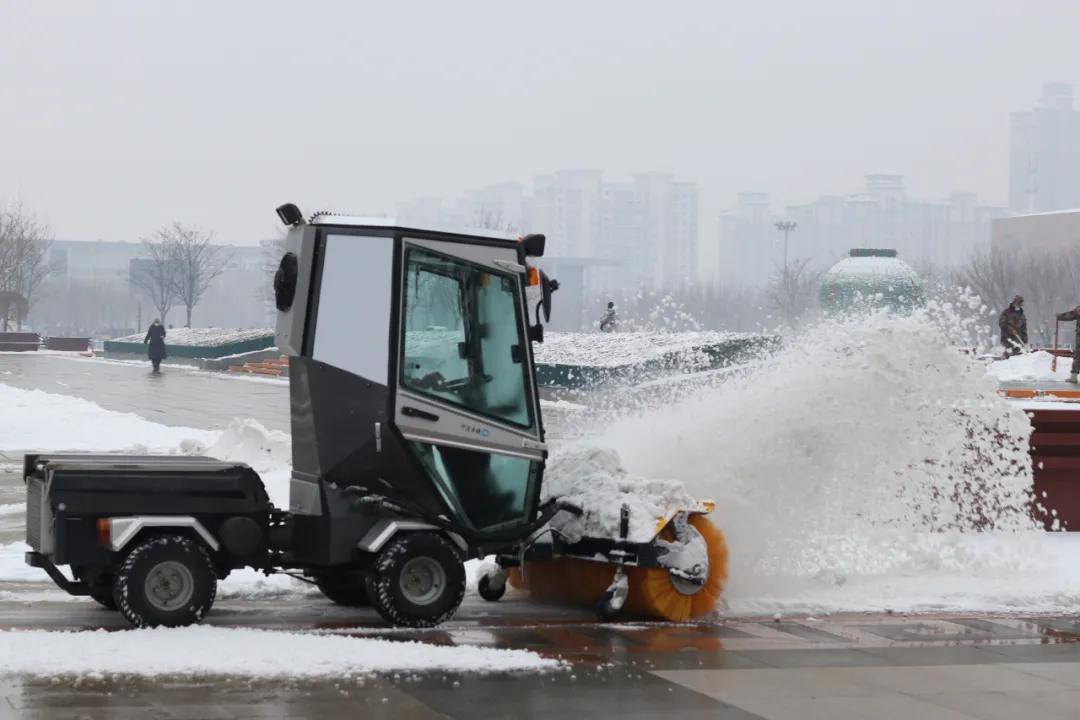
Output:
(786, 227)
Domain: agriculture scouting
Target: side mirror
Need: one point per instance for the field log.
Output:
(534, 245)
(547, 287)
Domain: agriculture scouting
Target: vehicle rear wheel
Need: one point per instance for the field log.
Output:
(104, 596)
(345, 588)
(419, 580)
(165, 580)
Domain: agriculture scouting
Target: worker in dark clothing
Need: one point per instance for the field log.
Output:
(155, 338)
(609, 322)
(1067, 316)
(1013, 326)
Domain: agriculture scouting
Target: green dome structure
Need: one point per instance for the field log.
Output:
(871, 279)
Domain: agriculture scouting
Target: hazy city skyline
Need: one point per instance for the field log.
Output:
(132, 115)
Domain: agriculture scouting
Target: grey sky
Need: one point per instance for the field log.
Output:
(121, 116)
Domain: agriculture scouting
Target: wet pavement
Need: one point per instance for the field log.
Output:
(180, 396)
(840, 667)
(851, 666)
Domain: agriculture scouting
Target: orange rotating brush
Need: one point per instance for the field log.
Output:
(652, 594)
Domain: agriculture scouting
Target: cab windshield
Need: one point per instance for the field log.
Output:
(463, 339)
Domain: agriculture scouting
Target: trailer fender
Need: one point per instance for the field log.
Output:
(122, 530)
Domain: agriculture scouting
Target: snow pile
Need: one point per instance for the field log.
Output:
(246, 440)
(203, 337)
(1030, 367)
(36, 420)
(594, 480)
(189, 652)
(852, 471)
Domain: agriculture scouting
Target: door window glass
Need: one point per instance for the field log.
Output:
(482, 489)
(463, 339)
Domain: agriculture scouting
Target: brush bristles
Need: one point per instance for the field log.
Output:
(579, 582)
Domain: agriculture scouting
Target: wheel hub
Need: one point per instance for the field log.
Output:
(169, 585)
(422, 580)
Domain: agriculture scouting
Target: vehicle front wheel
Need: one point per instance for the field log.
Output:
(418, 581)
(165, 580)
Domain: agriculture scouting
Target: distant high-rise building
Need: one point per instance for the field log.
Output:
(749, 248)
(1044, 153)
(644, 230)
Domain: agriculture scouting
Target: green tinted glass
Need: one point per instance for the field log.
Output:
(463, 341)
(482, 489)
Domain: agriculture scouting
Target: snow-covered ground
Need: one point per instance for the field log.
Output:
(36, 420)
(251, 653)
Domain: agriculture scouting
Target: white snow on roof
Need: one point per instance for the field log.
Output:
(204, 337)
(382, 222)
(189, 652)
(873, 267)
(1068, 211)
(623, 348)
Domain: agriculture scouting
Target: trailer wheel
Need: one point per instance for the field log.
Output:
(165, 580)
(346, 588)
(419, 580)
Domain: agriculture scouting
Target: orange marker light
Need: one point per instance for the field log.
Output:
(104, 532)
(534, 276)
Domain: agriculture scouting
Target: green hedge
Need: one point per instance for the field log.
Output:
(194, 351)
(722, 354)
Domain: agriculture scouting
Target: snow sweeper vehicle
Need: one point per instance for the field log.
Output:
(417, 443)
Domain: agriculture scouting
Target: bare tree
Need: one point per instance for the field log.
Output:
(24, 247)
(155, 275)
(1044, 276)
(270, 261)
(198, 262)
(492, 219)
(994, 273)
(792, 289)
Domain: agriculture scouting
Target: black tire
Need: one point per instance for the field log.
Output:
(345, 588)
(104, 597)
(489, 592)
(418, 581)
(165, 580)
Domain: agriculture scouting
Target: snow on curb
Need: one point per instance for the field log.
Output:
(189, 652)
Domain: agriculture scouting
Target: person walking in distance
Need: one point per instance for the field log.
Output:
(1067, 316)
(1013, 324)
(610, 320)
(155, 338)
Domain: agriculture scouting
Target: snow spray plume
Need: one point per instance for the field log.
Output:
(854, 450)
